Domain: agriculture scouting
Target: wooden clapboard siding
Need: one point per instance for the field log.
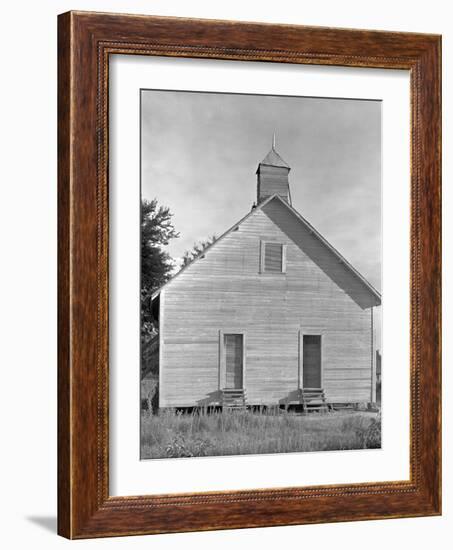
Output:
(190, 374)
(225, 293)
(272, 180)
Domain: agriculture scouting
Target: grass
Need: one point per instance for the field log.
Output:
(174, 434)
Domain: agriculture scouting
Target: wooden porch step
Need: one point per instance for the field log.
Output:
(313, 399)
(234, 398)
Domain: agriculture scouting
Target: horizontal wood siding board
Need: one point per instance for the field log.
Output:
(226, 292)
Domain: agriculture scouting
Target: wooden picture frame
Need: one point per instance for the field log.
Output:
(85, 42)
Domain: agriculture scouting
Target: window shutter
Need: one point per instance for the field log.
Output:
(273, 257)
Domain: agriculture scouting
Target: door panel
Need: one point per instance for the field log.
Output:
(233, 345)
(312, 361)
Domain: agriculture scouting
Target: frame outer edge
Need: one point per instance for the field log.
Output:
(64, 340)
(433, 209)
(426, 312)
(439, 319)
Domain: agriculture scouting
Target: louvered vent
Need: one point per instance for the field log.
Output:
(273, 257)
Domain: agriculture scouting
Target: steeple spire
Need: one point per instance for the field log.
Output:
(272, 174)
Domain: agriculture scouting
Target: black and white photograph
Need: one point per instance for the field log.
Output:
(260, 274)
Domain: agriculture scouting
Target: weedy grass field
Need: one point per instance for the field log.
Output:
(173, 434)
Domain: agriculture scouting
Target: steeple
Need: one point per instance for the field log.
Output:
(272, 176)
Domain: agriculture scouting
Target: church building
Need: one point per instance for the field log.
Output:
(269, 314)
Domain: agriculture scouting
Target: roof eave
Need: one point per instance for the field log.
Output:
(199, 257)
(272, 166)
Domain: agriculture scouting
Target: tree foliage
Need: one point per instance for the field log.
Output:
(190, 255)
(157, 230)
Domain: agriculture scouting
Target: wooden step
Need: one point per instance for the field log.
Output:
(234, 398)
(313, 399)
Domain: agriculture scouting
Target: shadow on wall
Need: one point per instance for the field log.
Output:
(318, 252)
(212, 399)
(292, 396)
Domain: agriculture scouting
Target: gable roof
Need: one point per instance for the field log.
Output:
(303, 221)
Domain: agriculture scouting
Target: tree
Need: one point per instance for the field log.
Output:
(190, 255)
(157, 231)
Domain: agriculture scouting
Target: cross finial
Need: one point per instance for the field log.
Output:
(273, 141)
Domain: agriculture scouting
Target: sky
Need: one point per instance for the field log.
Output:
(200, 152)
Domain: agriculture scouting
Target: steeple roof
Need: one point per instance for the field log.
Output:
(274, 159)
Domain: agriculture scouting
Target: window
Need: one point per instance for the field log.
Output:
(273, 257)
